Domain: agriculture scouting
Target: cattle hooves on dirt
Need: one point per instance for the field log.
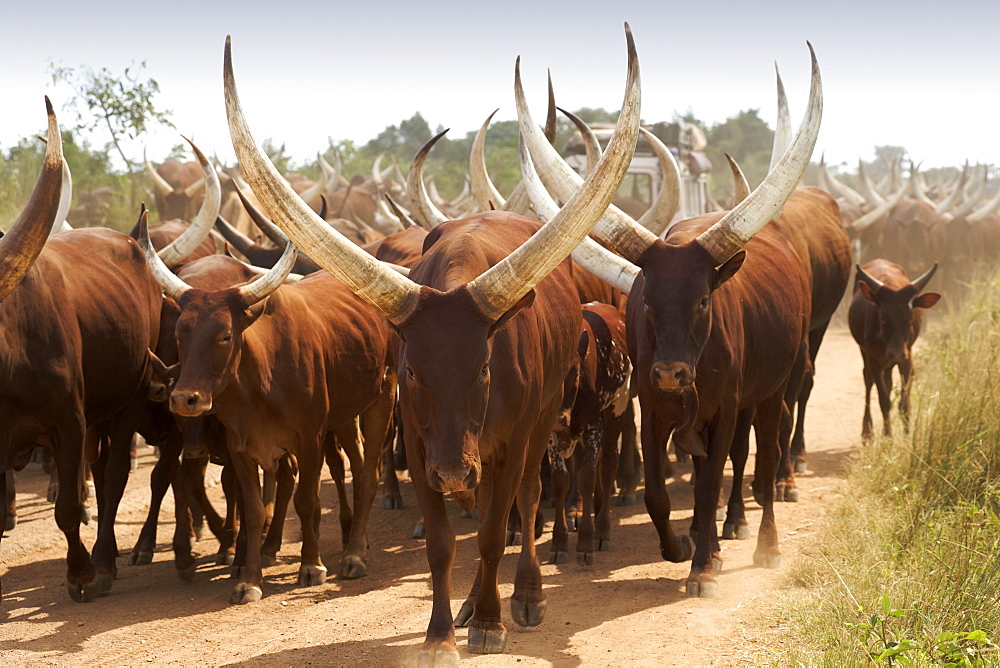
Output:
(585, 558)
(487, 641)
(558, 557)
(245, 593)
(767, 560)
(11, 523)
(352, 567)
(526, 613)
(224, 558)
(626, 499)
(86, 515)
(702, 589)
(268, 560)
(419, 531)
(800, 467)
(392, 502)
(734, 530)
(80, 593)
(603, 544)
(792, 494)
(513, 538)
(464, 615)
(467, 514)
(198, 532)
(438, 657)
(311, 575)
(686, 545)
(720, 514)
(186, 574)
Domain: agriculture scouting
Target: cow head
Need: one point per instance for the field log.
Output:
(899, 319)
(210, 327)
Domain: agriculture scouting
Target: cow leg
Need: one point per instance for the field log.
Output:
(335, 462)
(906, 373)
(284, 483)
(798, 448)
(376, 421)
(248, 590)
(560, 486)
(735, 525)
(672, 547)
(227, 543)
(392, 498)
(163, 474)
(606, 479)
(184, 560)
(767, 425)
(312, 571)
(708, 486)
(80, 571)
(8, 501)
(439, 643)
(197, 468)
(883, 383)
(586, 477)
(786, 489)
(628, 478)
(866, 424)
(269, 494)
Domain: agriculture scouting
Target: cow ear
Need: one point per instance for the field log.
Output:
(254, 312)
(728, 269)
(867, 292)
(524, 302)
(926, 300)
(581, 347)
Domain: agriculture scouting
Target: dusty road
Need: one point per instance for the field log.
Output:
(629, 608)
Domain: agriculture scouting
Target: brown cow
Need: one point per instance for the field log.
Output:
(885, 318)
(281, 366)
(704, 309)
(586, 433)
(488, 326)
(78, 317)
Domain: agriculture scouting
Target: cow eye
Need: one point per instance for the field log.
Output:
(703, 304)
(409, 373)
(486, 370)
(226, 339)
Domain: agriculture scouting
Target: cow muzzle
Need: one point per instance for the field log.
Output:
(672, 376)
(448, 480)
(190, 404)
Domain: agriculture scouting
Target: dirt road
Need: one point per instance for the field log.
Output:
(629, 608)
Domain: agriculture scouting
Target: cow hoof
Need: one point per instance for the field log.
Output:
(513, 538)
(800, 467)
(585, 558)
(392, 502)
(245, 593)
(224, 559)
(80, 593)
(766, 560)
(716, 564)
(51, 493)
(702, 589)
(573, 523)
(11, 523)
(626, 499)
(720, 514)
(686, 545)
(141, 557)
(310, 576)
(792, 494)
(526, 613)
(437, 657)
(603, 544)
(268, 560)
(464, 615)
(558, 557)
(419, 531)
(198, 533)
(86, 515)
(352, 567)
(732, 530)
(487, 641)
(186, 574)
(467, 514)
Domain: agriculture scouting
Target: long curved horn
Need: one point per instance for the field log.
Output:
(393, 222)
(974, 198)
(195, 187)
(482, 187)
(595, 258)
(737, 227)
(915, 185)
(741, 189)
(616, 229)
(394, 295)
(987, 209)
(65, 201)
(315, 190)
(26, 237)
(170, 283)
(159, 183)
(401, 213)
(263, 223)
(417, 191)
(261, 287)
(657, 218)
(838, 189)
(202, 224)
(921, 282)
(591, 146)
(867, 189)
(330, 173)
(880, 211)
(234, 237)
(956, 194)
(500, 287)
(783, 128)
(872, 282)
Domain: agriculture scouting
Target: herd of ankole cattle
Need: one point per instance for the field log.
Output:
(488, 342)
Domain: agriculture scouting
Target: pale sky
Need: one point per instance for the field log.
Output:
(923, 75)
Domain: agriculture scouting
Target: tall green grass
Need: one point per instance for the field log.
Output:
(907, 568)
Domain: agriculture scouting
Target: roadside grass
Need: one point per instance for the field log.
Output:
(907, 567)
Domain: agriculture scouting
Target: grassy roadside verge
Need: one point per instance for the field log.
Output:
(907, 567)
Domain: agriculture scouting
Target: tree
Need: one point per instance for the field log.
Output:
(122, 104)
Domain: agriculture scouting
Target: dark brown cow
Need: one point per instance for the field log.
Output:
(585, 438)
(488, 326)
(704, 309)
(78, 317)
(885, 318)
(280, 367)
